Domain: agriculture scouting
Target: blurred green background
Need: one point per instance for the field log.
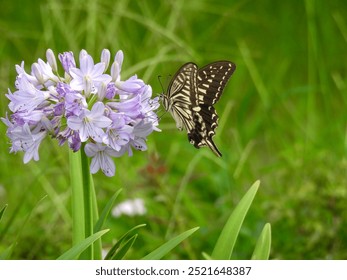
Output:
(282, 120)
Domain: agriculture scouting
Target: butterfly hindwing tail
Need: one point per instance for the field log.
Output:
(205, 122)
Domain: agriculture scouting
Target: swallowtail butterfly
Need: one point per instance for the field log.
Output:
(190, 97)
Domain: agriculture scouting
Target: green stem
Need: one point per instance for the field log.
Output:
(88, 203)
(84, 204)
(78, 233)
(97, 243)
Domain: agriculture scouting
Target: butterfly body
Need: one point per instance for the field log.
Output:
(190, 97)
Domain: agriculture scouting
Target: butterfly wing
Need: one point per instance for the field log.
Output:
(211, 81)
(191, 96)
(178, 98)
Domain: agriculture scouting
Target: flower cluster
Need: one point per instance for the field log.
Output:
(84, 105)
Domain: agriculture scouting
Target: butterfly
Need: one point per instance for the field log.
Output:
(190, 97)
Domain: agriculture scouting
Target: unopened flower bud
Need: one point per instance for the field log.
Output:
(105, 58)
(35, 68)
(51, 60)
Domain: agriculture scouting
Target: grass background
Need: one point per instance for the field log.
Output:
(282, 120)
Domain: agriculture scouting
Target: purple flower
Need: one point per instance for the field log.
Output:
(67, 60)
(82, 105)
(27, 140)
(90, 123)
(101, 158)
(75, 103)
(132, 85)
(72, 137)
(27, 97)
(28, 117)
(44, 74)
(119, 133)
(141, 131)
(129, 106)
(88, 76)
(22, 73)
(110, 91)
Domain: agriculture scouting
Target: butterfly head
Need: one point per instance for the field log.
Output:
(165, 101)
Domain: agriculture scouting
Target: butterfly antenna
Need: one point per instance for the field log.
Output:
(161, 84)
(166, 82)
(164, 112)
(167, 79)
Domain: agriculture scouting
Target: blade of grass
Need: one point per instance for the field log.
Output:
(118, 244)
(9, 250)
(6, 254)
(182, 187)
(124, 249)
(160, 252)
(155, 27)
(312, 57)
(226, 241)
(263, 246)
(106, 211)
(2, 212)
(206, 256)
(76, 250)
(255, 75)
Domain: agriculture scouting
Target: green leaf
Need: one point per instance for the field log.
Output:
(76, 250)
(105, 212)
(119, 243)
(6, 254)
(158, 253)
(263, 246)
(226, 241)
(206, 256)
(124, 249)
(2, 211)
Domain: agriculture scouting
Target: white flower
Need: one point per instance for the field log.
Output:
(130, 207)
